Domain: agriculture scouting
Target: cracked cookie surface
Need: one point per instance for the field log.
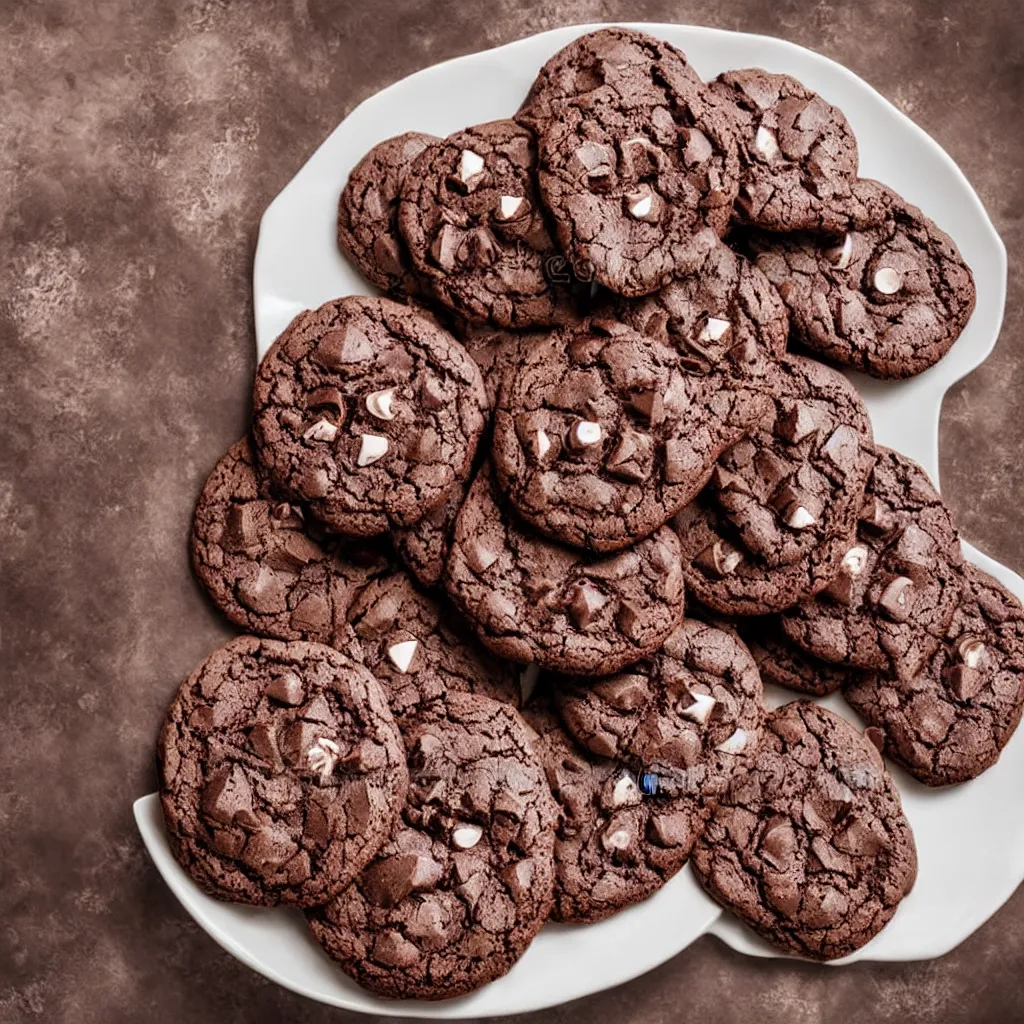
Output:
(368, 412)
(696, 705)
(473, 223)
(614, 846)
(368, 214)
(281, 772)
(639, 168)
(900, 582)
(889, 300)
(466, 881)
(267, 566)
(950, 722)
(781, 662)
(600, 436)
(810, 846)
(420, 649)
(534, 601)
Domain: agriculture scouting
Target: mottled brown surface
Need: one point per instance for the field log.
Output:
(139, 143)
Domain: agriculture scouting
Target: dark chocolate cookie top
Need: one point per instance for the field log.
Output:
(475, 228)
(798, 479)
(615, 846)
(900, 582)
(600, 435)
(781, 662)
(798, 154)
(725, 314)
(266, 566)
(423, 547)
(281, 772)
(640, 171)
(369, 412)
(810, 846)
(419, 649)
(695, 705)
(535, 601)
(949, 722)
(368, 213)
(466, 881)
(889, 300)
(497, 351)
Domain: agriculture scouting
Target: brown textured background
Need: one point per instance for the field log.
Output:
(139, 144)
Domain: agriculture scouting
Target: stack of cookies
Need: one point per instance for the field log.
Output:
(463, 532)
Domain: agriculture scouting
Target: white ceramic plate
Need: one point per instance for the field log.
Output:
(970, 839)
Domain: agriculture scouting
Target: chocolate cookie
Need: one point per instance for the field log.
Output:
(695, 705)
(889, 300)
(368, 213)
(460, 890)
(266, 567)
(281, 772)
(725, 314)
(781, 662)
(369, 412)
(423, 547)
(534, 601)
(810, 846)
(730, 579)
(419, 650)
(600, 435)
(949, 722)
(640, 169)
(798, 479)
(497, 351)
(614, 846)
(475, 229)
(891, 604)
(798, 155)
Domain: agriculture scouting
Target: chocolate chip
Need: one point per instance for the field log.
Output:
(244, 526)
(389, 881)
(326, 398)
(343, 346)
(432, 393)
(227, 794)
(719, 559)
(445, 247)
(292, 551)
(480, 555)
(312, 614)
(624, 692)
(897, 598)
(632, 457)
(796, 421)
(263, 591)
(479, 248)
(286, 689)
(585, 602)
(876, 736)
(963, 681)
(843, 448)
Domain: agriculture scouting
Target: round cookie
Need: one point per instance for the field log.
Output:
(797, 480)
(475, 229)
(600, 435)
(281, 772)
(640, 172)
(890, 606)
(466, 881)
(950, 722)
(730, 579)
(798, 154)
(264, 565)
(419, 650)
(889, 300)
(614, 846)
(725, 314)
(810, 846)
(534, 601)
(781, 662)
(694, 705)
(367, 411)
(368, 213)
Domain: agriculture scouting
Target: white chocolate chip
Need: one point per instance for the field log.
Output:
(642, 207)
(371, 448)
(800, 518)
(625, 792)
(855, 560)
(543, 444)
(508, 206)
(700, 708)
(586, 433)
(735, 744)
(842, 255)
(401, 654)
(322, 757)
(714, 329)
(379, 404)
(322, 430)
(617, 840)
(528, 682)
(973, 653)
(465, 837)
(766, 143)
(887, 281)
(470, 165)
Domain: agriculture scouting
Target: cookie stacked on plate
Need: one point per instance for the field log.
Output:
(463, 529)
